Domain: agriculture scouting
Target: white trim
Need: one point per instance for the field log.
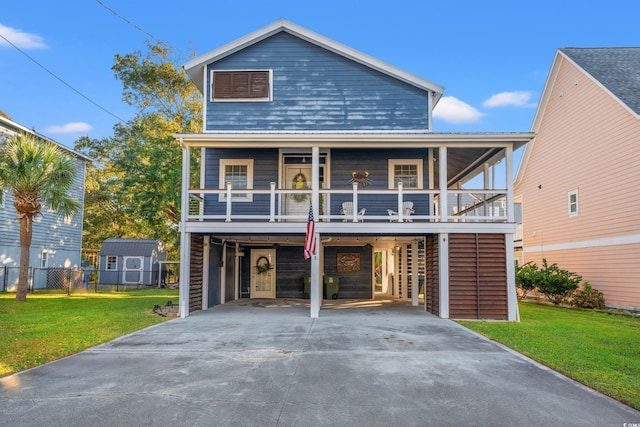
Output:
(268, 98)
(222, 178)
(392, 163)
(571, 203)
(106, 265)
(513, 314)
(443, 270)
(206, 246)
(44, 258)
(415, 281)
(628, 239)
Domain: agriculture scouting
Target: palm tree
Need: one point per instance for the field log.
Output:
(38, 174)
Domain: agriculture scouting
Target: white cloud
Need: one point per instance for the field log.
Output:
(518, 98)
(452, 110)
(75, 127)
(20, 38)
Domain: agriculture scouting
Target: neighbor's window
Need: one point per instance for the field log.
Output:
(573, 202)
(239, 172)
(409, 172)
(112, 262)
(44, 259)
(241, 85)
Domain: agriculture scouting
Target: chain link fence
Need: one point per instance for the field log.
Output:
(87, 279)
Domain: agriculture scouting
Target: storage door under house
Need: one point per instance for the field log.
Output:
(477, 276)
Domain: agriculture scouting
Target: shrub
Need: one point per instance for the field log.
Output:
(526, 277)
(555, 283)
(587, 297)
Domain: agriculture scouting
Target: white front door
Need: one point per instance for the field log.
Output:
(132, 269)
(263, 273)
(297, 177)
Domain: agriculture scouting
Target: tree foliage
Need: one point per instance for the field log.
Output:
(38, 174)
(133, 190)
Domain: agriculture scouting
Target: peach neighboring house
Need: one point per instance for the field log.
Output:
(579, 180)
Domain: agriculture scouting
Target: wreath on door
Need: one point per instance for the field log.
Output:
(299, 183)
(263, 265)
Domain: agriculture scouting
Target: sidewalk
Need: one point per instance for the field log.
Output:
(267, 363)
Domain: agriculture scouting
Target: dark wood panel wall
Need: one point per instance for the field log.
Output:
(195, 272)
(477, 276)
(432, 275)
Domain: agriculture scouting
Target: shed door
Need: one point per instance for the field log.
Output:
(132, 269)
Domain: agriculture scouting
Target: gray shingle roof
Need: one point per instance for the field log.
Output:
(617, 68)
(131, 247)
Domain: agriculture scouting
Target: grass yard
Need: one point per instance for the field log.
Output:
(50, 326)
(599, 350)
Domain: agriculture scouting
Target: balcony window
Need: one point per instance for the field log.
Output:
(409, 172)
(239, 172)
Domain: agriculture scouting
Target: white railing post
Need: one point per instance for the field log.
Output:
(355, 202)
(229, 185)
(272, 204)
(400, 203)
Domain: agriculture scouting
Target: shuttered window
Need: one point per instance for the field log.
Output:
(241, 85)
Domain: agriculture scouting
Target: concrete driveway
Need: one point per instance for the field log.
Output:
(267, 363)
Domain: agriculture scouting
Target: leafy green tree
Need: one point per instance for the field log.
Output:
(134, 188)
(37, 174)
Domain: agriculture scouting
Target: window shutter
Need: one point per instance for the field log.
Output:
(240, 84)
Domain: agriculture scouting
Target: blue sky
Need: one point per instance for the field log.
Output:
(491, 56)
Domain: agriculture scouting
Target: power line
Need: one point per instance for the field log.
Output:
(130, 23)
(61, 80)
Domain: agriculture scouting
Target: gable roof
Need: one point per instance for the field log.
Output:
(615, 69)
(131, 247)
(195, 68)
(9, 127)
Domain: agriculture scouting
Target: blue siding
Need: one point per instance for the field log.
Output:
(315, 89)
(265, 171)
(345, 161)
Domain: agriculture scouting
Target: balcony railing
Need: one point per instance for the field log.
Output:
(271, 205)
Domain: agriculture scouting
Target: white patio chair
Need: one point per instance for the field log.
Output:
(347, 211)
(407, 210)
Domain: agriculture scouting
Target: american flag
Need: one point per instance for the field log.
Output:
(310, 238)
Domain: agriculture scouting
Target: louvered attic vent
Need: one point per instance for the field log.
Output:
(240, 86)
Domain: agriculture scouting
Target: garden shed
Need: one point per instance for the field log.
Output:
(130, 261)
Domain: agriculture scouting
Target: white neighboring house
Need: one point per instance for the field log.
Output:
(57, 242)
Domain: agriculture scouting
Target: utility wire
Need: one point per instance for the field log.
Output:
(130, 23)
(62, 81)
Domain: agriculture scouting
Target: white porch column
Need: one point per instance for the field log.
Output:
(185, 238)
(431, 181)
(316, 284)
(509, 170)
(513, 313)
(442, 176)
(205, 272)
(443, 271)
(415, 285)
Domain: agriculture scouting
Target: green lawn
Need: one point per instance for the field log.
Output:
(50, 326)
(599, 350)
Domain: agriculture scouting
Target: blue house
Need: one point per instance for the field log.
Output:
(294, 120)
(56, 243)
